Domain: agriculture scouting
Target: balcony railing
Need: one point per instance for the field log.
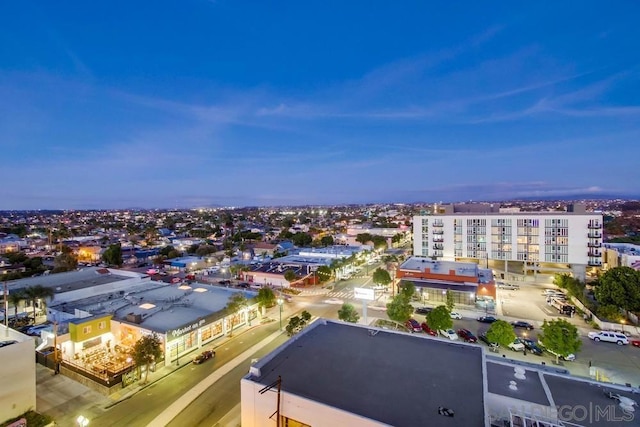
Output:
(594, 254)
(594, 245)
(438, 246)
(594, 235)
(438, 232)
(594, 263)
(438, 224)
(595, 226)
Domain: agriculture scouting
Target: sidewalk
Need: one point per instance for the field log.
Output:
(64, 398)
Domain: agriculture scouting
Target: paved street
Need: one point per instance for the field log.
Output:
(201, 395)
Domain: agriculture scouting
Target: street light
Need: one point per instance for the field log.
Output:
(82, 421)
(280, 301)
(622, 322)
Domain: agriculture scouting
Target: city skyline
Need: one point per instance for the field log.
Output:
(217, 103)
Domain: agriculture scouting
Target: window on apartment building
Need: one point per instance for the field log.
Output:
(102, 325)
(86, 329)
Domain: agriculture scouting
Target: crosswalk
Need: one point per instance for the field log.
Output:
(346, 294)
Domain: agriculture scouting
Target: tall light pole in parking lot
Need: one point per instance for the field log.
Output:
(280, 301)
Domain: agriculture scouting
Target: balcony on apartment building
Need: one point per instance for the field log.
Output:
(594, 225)
(437, 231)
(594, 263)
(594, 244)
(594, 254)
(594, 235)
(438, 246)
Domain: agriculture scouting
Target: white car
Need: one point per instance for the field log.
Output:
(449, 333)
(517, 345)
(455, 315)
(609, 336)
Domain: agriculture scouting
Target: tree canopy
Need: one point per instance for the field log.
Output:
(236, 302)
(348, 313)
(65, 262)
(266, 297)
(450, 303)
(619, 286)
(439, 318)
(363, 238)
(326, 240)
(290, 276)
(113, 255)
(561, 337)
(381, 277)
(501, 332)
(146, 351)
(301, 239)
(399, 309)
(324, 273)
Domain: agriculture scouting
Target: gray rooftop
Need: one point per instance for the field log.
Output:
(71, 280)
(441, 267)
(363, 370)
(530, 388)
(576, 395)
(175, 305)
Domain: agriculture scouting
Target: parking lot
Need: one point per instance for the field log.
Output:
(619, 364)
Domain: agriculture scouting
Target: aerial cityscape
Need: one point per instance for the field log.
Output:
(225, 214)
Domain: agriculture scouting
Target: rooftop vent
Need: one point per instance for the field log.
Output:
(513, 385)
(519, 373)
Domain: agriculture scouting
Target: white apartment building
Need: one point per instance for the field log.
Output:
(520, 242)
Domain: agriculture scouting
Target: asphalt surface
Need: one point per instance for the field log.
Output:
(218, 405)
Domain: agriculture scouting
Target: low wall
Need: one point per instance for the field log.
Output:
(633, 330)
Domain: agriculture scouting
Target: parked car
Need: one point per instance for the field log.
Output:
(487, 319)
(449, 333)
(608, 336)
(466, 335)
(413, 325)
(6, 343)
(493, 346)
(531, 345)
(455, 315)
(423, 310)
(427, 329)
(522, 324)
(635, 343)
(224, 282)
(516, 345)
(204, 356)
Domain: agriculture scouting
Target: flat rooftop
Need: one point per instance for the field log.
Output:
(162, 306)
(71, 280)
(363, 370)
(441, 267)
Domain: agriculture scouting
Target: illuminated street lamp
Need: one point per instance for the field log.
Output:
(280, 301)
(82, 421)
(622, 322)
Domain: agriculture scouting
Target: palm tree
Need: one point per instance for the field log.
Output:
(37, 292)
(15, 299)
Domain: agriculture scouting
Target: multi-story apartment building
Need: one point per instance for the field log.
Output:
(519, 242)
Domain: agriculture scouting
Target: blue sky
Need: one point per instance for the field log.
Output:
(192, 103)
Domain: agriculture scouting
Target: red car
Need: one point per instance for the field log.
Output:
(204, 356)
(413, 325)
(466, 335)
(635, 343)
(428, 330)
